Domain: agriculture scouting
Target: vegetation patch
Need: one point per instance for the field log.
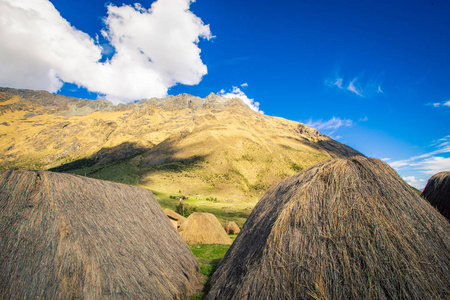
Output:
(237, 212)
(185, 209)
(122, 172)
(296, 167)
(77, 164)
(179, 165)
(209, 257)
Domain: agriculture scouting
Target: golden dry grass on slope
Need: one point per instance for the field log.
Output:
(212, 146)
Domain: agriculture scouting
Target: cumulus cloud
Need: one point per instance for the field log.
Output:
(238, 93)
(427, 164)
(154, 49)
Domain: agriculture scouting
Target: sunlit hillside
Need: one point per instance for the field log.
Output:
(180, 144)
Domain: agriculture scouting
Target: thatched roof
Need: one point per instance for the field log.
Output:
(232, 228)
(437, 192)
(343, 229)
(203, 228)
(70, 237)
(173, 215)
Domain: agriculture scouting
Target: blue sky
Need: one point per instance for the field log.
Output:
(371, 74)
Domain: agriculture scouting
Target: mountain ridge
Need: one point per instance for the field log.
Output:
(212, 145)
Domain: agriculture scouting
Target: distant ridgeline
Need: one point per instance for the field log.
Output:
(213, 145)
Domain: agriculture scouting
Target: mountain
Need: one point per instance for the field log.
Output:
(210, 146)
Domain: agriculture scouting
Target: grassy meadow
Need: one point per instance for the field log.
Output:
(209, 257)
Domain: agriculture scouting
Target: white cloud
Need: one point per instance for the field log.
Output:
(155, 49)
(244, 84)
(422, 167)
(357, 86)
(412, 180)
(338, 83)
(237, 93)
(440, 104)
(365, 119)
(352, 88)
(434, 165)
(333, 123)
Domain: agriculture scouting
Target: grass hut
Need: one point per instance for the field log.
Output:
(203, 228)
(437, 192)
(175, 218)
(70, 237)
(343, 229)
(232, 228)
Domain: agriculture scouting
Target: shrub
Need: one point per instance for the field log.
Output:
(185, 209)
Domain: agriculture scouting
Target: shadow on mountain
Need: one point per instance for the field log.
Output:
(114, 164)
(104, 156)
(175, 165)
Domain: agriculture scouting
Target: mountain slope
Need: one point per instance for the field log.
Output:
(211, 146)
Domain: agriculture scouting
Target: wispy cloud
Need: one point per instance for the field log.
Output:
(148, 50)
(352, 88)
(365, 119)
(427, 164)
(440, 104)
(238, 93)
(330, 126)
(356, 86)
(338, 83)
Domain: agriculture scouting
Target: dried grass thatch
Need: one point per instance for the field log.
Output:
(437, 192)
(203, 228)
(70, 237)
(343, 229)
(175, 218)
(232, 228)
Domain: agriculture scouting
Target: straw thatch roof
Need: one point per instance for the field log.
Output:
(437, 192)
(203, 228)
(175, 218)
(70, 237)
(232, 228)
(343, 229)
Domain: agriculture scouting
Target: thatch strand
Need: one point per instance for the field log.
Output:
(437, 192)
(203, 228)
(343, 229)
(67, 237)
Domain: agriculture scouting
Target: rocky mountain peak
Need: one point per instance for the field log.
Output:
(187, 101)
